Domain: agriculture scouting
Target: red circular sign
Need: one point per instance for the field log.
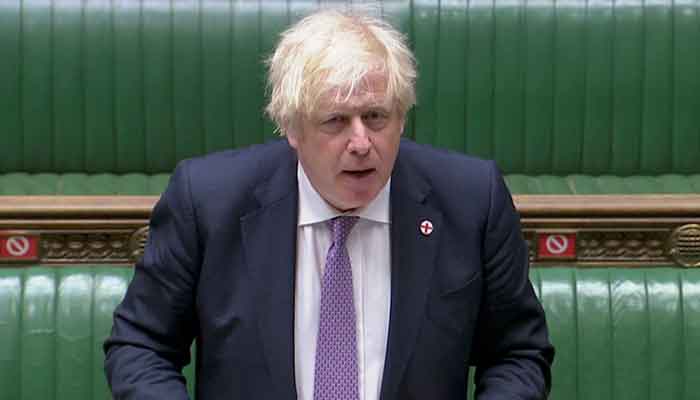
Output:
(17, 246)
(557, 244)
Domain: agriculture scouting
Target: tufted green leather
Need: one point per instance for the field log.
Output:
(623, 333)
(52, 325)
(141, 184)
(619, 333)
(546, 87)
(18, 184)
(606, 184)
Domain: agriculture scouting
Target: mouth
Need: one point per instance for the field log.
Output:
(359, 174)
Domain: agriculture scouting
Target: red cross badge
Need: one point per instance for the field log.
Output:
(426, 227)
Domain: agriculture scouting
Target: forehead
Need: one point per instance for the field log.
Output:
(369, 92)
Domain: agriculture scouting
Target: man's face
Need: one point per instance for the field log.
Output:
(348, 146)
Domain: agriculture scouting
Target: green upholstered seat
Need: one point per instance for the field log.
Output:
(18, 184)
(575, 89)
(53, 321)
(619, 333)
(622, 333)
(605, 184)
(142, 184)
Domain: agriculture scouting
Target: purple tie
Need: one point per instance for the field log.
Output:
(336, 347)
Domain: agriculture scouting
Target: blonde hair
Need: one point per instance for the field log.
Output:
(333, 49)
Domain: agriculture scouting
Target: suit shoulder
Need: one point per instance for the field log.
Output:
(463, 187)
(253, 163)
(228, 178)
(220, 186)
(438, 164)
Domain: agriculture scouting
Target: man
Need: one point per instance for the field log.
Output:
(342, 263)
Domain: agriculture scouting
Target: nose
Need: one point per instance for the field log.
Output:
(359, 140)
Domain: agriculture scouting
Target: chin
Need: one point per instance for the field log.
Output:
(359, 200)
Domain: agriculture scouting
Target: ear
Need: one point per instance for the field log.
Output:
(292, 138)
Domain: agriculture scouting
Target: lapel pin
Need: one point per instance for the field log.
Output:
(426, 227)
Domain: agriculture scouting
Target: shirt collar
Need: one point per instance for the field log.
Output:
(314, 209)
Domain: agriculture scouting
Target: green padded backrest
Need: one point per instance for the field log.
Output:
(53, 322)
(619, 333)
(559, 87)
(622, 333)
(23, 184)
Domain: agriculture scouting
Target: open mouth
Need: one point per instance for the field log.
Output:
(360, 173)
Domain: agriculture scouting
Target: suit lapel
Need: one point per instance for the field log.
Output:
(412, 264)
(269, 238)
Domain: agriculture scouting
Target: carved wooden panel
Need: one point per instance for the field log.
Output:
(586, 231)
(106, 247)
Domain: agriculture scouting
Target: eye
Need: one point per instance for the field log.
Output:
(333, 124)
(375, 120)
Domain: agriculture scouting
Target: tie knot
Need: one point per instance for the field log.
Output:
(340, 228)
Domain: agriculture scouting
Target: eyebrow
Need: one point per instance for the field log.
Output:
(344, 109)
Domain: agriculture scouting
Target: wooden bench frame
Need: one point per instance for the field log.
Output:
(590, 230)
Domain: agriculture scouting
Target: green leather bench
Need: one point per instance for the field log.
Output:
(619, 333)
(23, 184)
(575, 97)
(53, 322)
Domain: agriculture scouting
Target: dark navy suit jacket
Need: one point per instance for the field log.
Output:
(219, 267)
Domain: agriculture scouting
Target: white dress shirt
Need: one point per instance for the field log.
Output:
(369, 249)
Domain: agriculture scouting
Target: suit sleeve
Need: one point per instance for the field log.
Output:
(513, 352)
(155, 323)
